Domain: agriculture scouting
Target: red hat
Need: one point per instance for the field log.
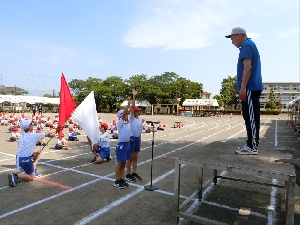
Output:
(104, 125)
(137, 108)
(50, 125)
(38, 131)
(143, 119)
(70, 128)
(15, 129)
(158, 121)
(114, 122)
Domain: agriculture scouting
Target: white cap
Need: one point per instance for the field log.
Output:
(236, 30)
(120, 113)
(25, 124)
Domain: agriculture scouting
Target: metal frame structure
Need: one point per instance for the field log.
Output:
(189, 161)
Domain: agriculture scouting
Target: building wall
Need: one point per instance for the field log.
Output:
(284, 92)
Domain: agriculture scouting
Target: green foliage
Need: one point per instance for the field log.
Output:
(49, 96)
(270, 112)
(219, 100)
(167, 88)
(228, 91)
(272, 101)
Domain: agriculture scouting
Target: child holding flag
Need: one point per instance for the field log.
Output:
(26, 157)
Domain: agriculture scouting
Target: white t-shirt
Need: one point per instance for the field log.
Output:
(104, 140)
(136, 125)
(60, 141)
(124, 131)
(27, 143)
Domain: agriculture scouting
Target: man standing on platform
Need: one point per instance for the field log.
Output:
(249, 87)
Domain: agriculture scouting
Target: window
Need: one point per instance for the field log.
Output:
(285, 97)
(285, 87)
(296, 87)
(264, 87)
(274, 87)
(295, 96)
(263, 96)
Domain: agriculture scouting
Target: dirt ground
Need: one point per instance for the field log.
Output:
(74, 191)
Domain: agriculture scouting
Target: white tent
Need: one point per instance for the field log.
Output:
(200, 102)
(28, 99)
(10, 98)
(137, 103)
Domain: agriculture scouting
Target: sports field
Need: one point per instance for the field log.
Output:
(74, 191)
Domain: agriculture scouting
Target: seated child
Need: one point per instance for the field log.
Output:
(76, 128)
(61, 143)
(52, 131)
(72, 135)
(145, 125)
(41, 141)
(160, 126)
(15, 135)
(101, 149)
(115, 133)
(112, 126)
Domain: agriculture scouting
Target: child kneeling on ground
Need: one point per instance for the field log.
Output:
(101, 149)
(26, 157)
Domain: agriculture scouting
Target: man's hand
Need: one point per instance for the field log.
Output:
(242, 94)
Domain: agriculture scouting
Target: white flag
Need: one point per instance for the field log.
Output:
(86, 116)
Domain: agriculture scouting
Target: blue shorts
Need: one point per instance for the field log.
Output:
(58, 147)
(135, 144)
(26, 163)
(72, 139)
(122, 151)
(103, 152)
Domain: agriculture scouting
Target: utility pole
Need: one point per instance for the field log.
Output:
(15, 90)
(53, 93)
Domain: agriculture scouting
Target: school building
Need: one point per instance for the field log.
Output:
(284, 93)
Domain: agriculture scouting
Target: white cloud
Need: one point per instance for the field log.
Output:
(289, 33)
(177, 25)
(253, 35)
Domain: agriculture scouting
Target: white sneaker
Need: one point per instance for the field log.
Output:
(240, 148)
(245, 150)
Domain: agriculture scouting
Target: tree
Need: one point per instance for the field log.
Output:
(228, 91)
(219, 100)
(272, 100)
(49, 96)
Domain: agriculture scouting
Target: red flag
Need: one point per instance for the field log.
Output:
(67, 104)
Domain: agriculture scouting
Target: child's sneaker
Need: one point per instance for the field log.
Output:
(130, 178)
(108, 158)
(12, 180)
(118, 184)
(37, 174)
(136, 176)
(124, 182)
(94, 160)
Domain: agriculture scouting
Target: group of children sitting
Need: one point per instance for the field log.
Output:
(13, 123)
(41, 122)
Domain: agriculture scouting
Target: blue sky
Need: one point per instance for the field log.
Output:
(40, 40)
